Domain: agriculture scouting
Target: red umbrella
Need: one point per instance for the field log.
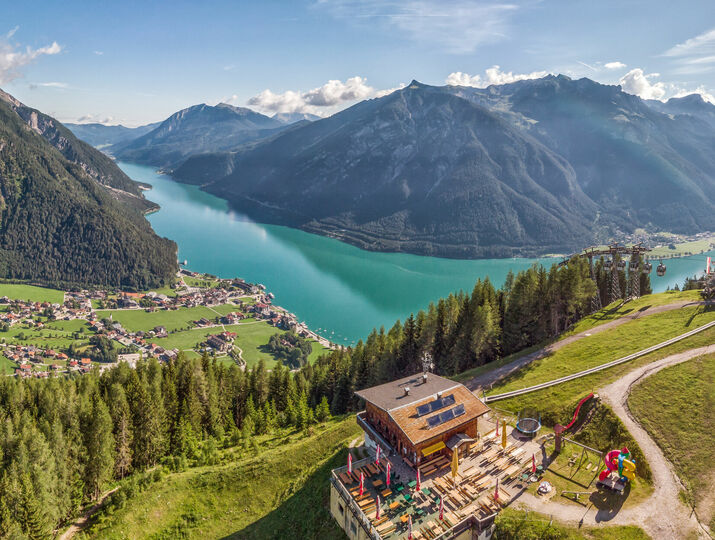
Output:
(418, 480)
(441, 508)
(409, 528)
(350, 462)
(362, 483)
(533, 463)
(496, 491)
(377, 506)
(387, 475)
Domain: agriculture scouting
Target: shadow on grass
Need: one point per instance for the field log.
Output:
(608, 503)
(305, 514)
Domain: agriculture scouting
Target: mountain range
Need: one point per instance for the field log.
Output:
(532, 167)
(198, 129)
(102, 136)
(68, 214)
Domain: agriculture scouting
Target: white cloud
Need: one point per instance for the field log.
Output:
(49, 85)
(494, 75)
(636, 82)
(387, 91)
(459, 26)
(99, 53)
(96, 119)
(707, 96)
(330, 95)
(699, 45)
(614, 65)
(13, 58)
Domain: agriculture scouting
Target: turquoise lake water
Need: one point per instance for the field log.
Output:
(340, 291)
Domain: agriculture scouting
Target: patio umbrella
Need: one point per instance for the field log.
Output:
(377, 508)
(418, 480)
(350, 462)
(496, 491)
(533, 463)
(497, 433)
(377, 455)
(441, 508)
(455, 463)
(362, 483)
(387, 475)
(503, 434)
(409, 527)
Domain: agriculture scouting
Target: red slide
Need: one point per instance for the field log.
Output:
(578, 408)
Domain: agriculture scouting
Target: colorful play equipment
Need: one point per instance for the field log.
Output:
(619, 461)
(559, 430)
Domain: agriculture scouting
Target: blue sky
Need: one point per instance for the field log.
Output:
(138, 62)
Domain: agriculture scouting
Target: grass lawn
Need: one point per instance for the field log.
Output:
(682, 248)
(204, 283)
(6, 366)
(318, 350)
(49, 337)
(188, 339)
(224, 309)
(168, 291)
(515, 525)
(138, 319)
(279, 490)
(616, 310)
(32, 293)
(607, 346)
(676, 407)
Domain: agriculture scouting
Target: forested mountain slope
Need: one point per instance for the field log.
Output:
(58, 223)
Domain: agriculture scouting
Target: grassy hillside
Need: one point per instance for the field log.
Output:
(608, 345)
(279, 489)
(16, 291)
(675, 406)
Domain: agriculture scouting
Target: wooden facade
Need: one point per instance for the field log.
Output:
(391, 410)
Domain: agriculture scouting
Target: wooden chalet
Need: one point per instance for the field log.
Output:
(419, 416)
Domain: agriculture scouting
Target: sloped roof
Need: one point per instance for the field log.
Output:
(392, 395)
(417, 427)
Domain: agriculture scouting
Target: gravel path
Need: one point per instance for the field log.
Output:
(491, 377)
(662, 515)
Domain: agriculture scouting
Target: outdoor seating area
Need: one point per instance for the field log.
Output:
(472, 492)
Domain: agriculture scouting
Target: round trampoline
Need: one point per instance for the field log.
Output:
(529, 422)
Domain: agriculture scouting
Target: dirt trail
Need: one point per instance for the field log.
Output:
(81, 522)
(485, 380)
(662, 515)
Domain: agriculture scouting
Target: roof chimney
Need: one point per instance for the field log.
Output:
(439, 395)
(407, 390)
(424, 378)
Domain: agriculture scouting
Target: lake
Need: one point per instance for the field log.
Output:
(340, 291)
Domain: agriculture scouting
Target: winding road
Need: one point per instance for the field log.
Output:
(662, 515)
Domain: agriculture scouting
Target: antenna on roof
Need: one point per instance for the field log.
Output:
(427, 365)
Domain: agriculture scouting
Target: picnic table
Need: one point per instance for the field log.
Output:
(377, 483)
(412, 484)
(394, 505)
(404, 518)
(386, 492)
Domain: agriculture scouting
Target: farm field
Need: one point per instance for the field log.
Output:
(675, 407)
(30, 292)
(275, 493)
(138, 319)
(683, 248)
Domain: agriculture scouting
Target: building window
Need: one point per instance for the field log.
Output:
(342, 510)
(353, 528)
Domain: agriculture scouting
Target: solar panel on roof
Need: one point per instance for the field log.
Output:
(435, 405)
(445, 416)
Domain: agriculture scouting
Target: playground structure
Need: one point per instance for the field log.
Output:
(528, 422)
(614, 262)
(619, 460)
(559, 430)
